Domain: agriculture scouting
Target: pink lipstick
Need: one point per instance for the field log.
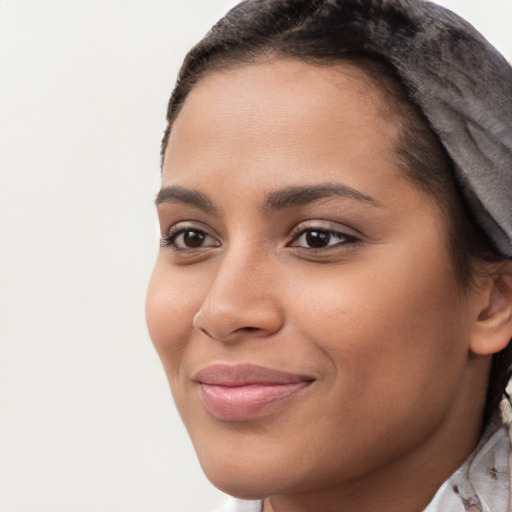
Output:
(243, 392)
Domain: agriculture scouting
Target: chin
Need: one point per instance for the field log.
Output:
(249, 476)
(236, 482)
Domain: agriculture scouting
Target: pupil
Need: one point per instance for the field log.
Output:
(193, 238)
(318, 239)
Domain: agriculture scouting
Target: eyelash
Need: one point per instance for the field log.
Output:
(171, 238)
(344, 239)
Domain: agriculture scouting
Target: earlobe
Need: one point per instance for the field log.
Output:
(493, 327)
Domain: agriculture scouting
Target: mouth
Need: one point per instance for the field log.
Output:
(245, 392)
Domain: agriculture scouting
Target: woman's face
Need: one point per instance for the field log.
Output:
(303, 302)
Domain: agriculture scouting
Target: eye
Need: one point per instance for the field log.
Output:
(188, 239)
(317, 238)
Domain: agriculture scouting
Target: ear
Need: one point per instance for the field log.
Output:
(492, 331)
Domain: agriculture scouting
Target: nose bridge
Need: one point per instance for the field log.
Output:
(242, 297)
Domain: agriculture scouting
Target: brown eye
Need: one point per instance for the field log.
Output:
(193, 239)
(317, 239)
(321, 238)
(189, 239)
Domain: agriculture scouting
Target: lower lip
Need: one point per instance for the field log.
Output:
(243, 403)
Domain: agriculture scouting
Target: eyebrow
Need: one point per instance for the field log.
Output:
(176, 194)
(279, 199)
(301, 195)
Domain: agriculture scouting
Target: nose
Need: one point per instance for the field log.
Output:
(242, 300)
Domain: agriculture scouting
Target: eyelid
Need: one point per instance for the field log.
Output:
(183, 226)
(325, 225)
(348, 237)
(189, 224)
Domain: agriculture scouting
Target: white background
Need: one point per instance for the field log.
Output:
(86, 420)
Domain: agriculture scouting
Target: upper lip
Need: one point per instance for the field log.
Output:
(246, 374)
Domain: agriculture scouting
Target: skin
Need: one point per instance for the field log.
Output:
(376, 317)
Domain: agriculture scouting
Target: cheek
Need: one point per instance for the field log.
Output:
(390, 335)
(387, 322)
(169, 314)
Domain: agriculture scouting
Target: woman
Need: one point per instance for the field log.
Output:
(332, 302)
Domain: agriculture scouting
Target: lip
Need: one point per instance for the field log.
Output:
(245, 392)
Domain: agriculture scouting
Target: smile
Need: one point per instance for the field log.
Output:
(244, 392)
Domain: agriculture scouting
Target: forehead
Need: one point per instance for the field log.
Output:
(297, 76)
(276, 80)
(280, 112)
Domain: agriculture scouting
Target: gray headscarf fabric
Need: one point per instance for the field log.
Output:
(463, 85)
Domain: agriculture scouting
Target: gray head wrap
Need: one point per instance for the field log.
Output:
(463, 85)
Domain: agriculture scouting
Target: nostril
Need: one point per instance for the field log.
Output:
(241, 329)
(224, 319)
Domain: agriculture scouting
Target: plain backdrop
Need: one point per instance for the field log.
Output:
(86, 419)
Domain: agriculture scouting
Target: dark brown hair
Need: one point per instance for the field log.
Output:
(308, 30)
